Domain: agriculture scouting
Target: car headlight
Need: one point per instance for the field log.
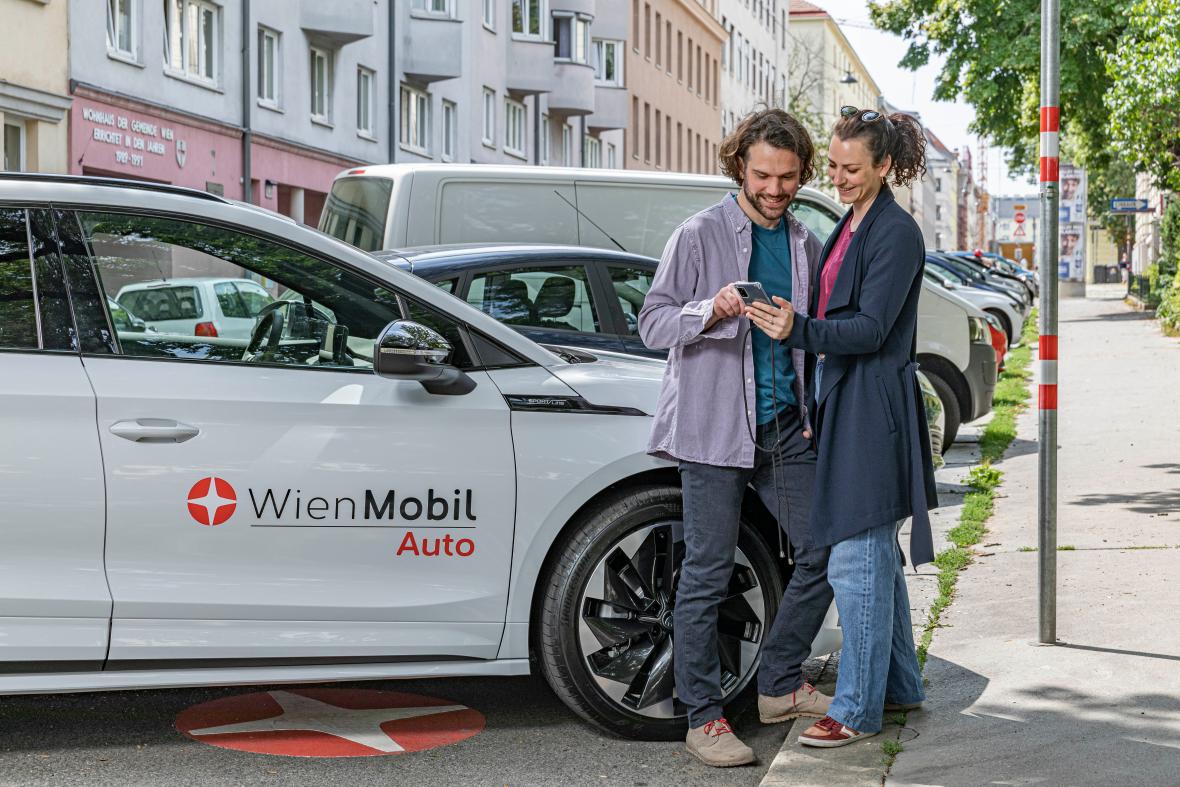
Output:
(978, 329)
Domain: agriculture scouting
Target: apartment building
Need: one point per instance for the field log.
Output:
(756, 58)
(942, 175)
(34, 93)
(830, 71)
(673, 66)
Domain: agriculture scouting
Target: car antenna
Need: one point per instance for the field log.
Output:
(587, 218)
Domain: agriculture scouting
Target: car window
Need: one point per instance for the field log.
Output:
(631, 286)
(447, 285)
(326, 316)
(554, 298)
(228, 299)
(157, 301)
(18, 316)
(817, 219)
(254, 297)
(356, 209)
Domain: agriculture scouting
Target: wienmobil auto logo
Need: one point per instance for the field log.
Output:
(212, 501)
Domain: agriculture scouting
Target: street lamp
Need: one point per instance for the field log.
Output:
(848, 78)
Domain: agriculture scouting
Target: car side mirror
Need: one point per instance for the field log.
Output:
(407, 350)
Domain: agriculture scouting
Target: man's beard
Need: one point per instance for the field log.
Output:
(756, 204)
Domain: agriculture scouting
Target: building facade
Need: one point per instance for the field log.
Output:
(262, 100)
(34, 85)
(673, 66)
(942, 177)
(755, 58)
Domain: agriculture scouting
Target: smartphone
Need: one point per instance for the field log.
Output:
(751, 292)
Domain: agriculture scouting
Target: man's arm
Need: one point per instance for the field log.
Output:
(669, 317)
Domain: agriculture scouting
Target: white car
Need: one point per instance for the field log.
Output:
(199, 306)
(381, 482)
(996, 304)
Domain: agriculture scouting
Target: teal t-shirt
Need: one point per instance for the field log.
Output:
(770, 263)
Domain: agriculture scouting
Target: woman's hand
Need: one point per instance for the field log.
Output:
(775, 321)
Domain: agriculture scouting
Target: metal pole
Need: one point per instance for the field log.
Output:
(1047, 393)
(247, 101)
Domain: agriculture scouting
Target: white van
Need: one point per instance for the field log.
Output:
(397, 206)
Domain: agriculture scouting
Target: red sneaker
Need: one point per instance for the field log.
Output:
(827, 733)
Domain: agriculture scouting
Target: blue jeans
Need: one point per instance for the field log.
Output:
(878, 663)
(712, 506)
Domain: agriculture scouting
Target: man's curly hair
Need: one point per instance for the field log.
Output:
(776, 127)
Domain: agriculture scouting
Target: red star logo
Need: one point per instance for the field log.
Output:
(212, 501)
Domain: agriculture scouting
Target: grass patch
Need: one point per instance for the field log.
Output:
(1027, 549)
(889, 751)
(1066, 548)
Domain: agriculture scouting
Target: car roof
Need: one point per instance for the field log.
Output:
(440, 261)
(157, 283)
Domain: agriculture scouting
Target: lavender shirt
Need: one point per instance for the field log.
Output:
(701, 415)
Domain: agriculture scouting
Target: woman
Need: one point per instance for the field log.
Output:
(874, 466)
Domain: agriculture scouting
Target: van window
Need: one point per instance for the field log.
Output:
(640, 217)
(164, 303)
(815, 218)
(506, 211)
(18, 319)
(356, 211)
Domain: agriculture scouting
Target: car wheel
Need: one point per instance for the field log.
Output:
(604, 640)
(950, 409)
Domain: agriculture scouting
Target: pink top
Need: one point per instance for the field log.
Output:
(831, 269)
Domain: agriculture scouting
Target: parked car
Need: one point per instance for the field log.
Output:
(124, 320)
(997, 272)
(379, 481)
(1009, 316)
(199, 306)
(982, 278)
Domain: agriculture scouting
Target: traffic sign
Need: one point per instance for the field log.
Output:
(1019, 217)
(1129, 205)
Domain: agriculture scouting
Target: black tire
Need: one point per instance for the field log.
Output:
(1005, 324)
(566, 613)
(950, 409)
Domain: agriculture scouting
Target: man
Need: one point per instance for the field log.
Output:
(731, 414)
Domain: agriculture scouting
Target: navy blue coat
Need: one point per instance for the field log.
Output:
(870, 426)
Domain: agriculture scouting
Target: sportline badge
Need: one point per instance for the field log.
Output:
(330, 722)
(212, 501)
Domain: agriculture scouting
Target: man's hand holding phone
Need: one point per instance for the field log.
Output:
(726, 303)
(773, 315)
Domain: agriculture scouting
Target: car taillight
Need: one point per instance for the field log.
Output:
(205, 329)
(356, 172)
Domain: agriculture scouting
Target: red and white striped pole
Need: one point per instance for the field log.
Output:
(1047, 346)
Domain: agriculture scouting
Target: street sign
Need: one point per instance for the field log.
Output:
(1019, 217)
(1128, 205)
(1019, 231)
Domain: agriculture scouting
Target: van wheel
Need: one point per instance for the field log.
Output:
(604, 639)
(950, 409)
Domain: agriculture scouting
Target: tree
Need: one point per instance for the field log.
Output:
(1144, 96)
(993, 60)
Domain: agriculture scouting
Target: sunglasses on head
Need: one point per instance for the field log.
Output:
(866, 116)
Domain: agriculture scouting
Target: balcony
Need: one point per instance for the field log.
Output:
(530, 66)
(573, 6)
(610, 108)
(432, 48)
(573, 90)
(339, 22)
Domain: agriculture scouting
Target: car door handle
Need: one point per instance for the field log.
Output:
(154, 430)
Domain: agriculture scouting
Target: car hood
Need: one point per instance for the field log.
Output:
(609, 378)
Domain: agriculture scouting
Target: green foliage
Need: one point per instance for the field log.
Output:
(1144, 95)
(993, 61)
(984, 478)
(1165, 274)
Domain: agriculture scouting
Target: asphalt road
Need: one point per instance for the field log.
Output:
(530, 738)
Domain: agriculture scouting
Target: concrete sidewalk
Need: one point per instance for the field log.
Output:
(1102, 707)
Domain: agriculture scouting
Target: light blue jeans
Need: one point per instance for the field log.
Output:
(878, 663)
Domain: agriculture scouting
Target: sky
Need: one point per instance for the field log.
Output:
(881, 52)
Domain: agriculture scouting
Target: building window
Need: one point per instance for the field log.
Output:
(14, 147)
(321, 85)
(593, 149)
(415, 119)
(634, 127)
(690, 65)
(680, 56)
(659, 129)
(668, 47)
(514, 125)
(567, 144)
(366, 82)
(527, 16)
(608, 62)
(647, 132)
(635, 25)
(121, 28)
(659, 37)
(432, 6)
(938, 184)
(938, 213)
(647, 30)
(668, 142)
(489, 116)
(268, 67)
(489, 13)
(544, 139)
(612, 158)
(450, 129)
(571, 38)
(192, 43)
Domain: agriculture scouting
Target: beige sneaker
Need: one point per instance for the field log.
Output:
(804, 701)
(715, 744)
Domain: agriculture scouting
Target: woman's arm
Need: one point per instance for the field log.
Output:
(894, 257)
